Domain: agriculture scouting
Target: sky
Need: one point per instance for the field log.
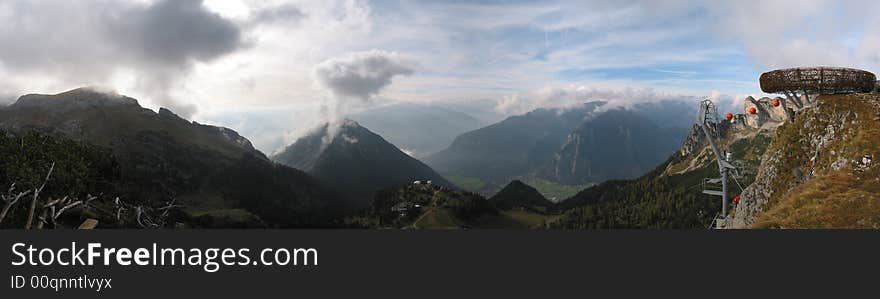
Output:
(274, 69)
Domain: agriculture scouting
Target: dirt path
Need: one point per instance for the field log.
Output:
(431, 207)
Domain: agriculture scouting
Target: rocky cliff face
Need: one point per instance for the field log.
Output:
(819, 169)
(695, 152)
(766, 112)
(695, 140)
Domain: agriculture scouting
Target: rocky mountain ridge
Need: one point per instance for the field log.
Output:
(213, 171)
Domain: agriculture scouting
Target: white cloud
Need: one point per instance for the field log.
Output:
(575, 95)
(521, 54)
(352, 81)
(349, 139)
(789, 33)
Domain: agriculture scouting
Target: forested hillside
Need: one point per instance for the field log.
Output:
(666, 197)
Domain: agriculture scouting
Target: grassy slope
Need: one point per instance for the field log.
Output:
(844, 198)
(513, 219)
(467, 183)
(437, 218)
(837, 200)
(529, 219)
(555, 192)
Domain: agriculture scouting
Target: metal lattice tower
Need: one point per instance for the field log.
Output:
(708, 121)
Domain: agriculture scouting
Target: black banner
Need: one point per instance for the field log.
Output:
(458, 264)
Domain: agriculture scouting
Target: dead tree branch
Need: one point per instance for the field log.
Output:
(32, 209)
(52, 210)
(10, 199)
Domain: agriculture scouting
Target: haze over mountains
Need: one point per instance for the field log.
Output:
(511, 147)
(417, 129)
(613, 145)
(577, 145)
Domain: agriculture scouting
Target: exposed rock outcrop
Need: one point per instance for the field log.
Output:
(766, 112)
(826, 140)
(695, 140)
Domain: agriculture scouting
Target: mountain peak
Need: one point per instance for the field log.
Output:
(80, 97)
(104, 117)
(350, 155)
(350, 123)
(519, 195)
(329, 132)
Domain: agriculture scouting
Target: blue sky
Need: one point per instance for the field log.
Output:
(282, 67)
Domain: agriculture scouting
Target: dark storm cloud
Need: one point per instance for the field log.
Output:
(174, 32)
(71, 34)
(166, 37)
(361, 75)
(85, 42)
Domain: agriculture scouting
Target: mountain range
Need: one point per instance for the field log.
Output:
(512, 147)
(814, 170)
(579, 145)
(212, 171)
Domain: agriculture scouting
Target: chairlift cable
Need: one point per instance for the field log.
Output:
(737, 184)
